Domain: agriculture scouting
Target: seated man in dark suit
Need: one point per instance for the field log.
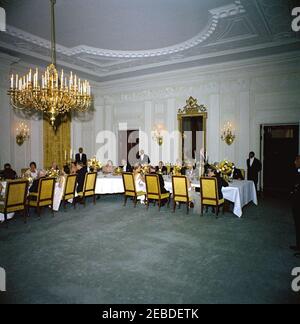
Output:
(220, 181)
(161, 169)
(81, 157)
(126, 167)
(161, 181)
(8, 173)
(82, 171)
(237, 174)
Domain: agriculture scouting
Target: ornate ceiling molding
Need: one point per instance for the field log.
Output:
(216, 15)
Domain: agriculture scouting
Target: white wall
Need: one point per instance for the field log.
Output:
(248, 94)
(31, 150)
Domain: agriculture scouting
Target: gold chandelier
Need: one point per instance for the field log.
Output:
(56, 94)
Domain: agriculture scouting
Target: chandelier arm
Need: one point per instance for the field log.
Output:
(17, 108)
(53, 37)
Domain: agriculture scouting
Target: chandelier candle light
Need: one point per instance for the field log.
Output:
(54, 93)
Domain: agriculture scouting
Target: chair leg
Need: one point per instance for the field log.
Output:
(5, 220)
(187, 208)
(202, 209)
(174, 206)
(159, 205)
(65, 204)
(94, 199)
(135, 201)
(125, 201)
(218, 210)
(24, 215)
(169, 201)
(38, 209)
(148, 203)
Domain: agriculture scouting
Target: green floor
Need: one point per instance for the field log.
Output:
(110, 254)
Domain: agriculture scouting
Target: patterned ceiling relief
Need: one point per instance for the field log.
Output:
(227, 28)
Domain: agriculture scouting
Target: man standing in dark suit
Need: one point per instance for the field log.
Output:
(143, 158)
(296, 205)
(81, 157)
(254, 168)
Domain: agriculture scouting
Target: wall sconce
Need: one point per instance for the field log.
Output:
(22, 134)
(158, 134)
(228, 135)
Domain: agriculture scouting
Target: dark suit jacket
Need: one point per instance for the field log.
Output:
(80, 179)
(253, 171)
(164, 170)
(237, 175)
(145, 160)
(296, 194)
(82, 160)
(162, 184)
(9, 174)
(221, 183)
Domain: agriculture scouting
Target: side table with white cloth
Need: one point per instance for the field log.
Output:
(241, 193)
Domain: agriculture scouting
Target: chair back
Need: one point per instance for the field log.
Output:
(46, 190)
(90, 183)
(209, 189)
(243, 172)
(16, 195)
(129, 184)
(180, 189)
(153, 186)
(70, 186)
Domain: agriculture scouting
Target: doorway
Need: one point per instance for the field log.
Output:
(129, 143)
(280, 147)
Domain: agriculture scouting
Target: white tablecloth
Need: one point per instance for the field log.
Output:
(241, 193)
(2, 193)
(109, 185)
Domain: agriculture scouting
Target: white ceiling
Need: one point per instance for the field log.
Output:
(111, 39)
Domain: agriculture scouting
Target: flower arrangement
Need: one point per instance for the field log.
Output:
(177, 170)
(226, 169)
(145, 169)
(52, 173)
(94, 164)
(118, 171)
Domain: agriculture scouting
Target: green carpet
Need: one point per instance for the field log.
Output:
(110, 254)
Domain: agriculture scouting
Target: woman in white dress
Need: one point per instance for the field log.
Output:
(140, 183)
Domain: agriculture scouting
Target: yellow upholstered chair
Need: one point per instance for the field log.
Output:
(89, 187)
(44, 197)
(70, 189)
(154, 191)
(210, 194)
(243, 172)
(180, 192)
(130, 189)
(15, 198)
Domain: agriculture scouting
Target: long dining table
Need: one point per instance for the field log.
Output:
(240, 193)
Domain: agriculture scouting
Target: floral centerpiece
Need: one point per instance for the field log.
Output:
(177, 170)
(145, 169)
(52, 173)
(118, 171)
(226, 169)
(94, 164)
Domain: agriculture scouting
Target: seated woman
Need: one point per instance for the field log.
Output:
(140, 184)
(54, 167)
(8, 173)
(32, 172)
(108, 168)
